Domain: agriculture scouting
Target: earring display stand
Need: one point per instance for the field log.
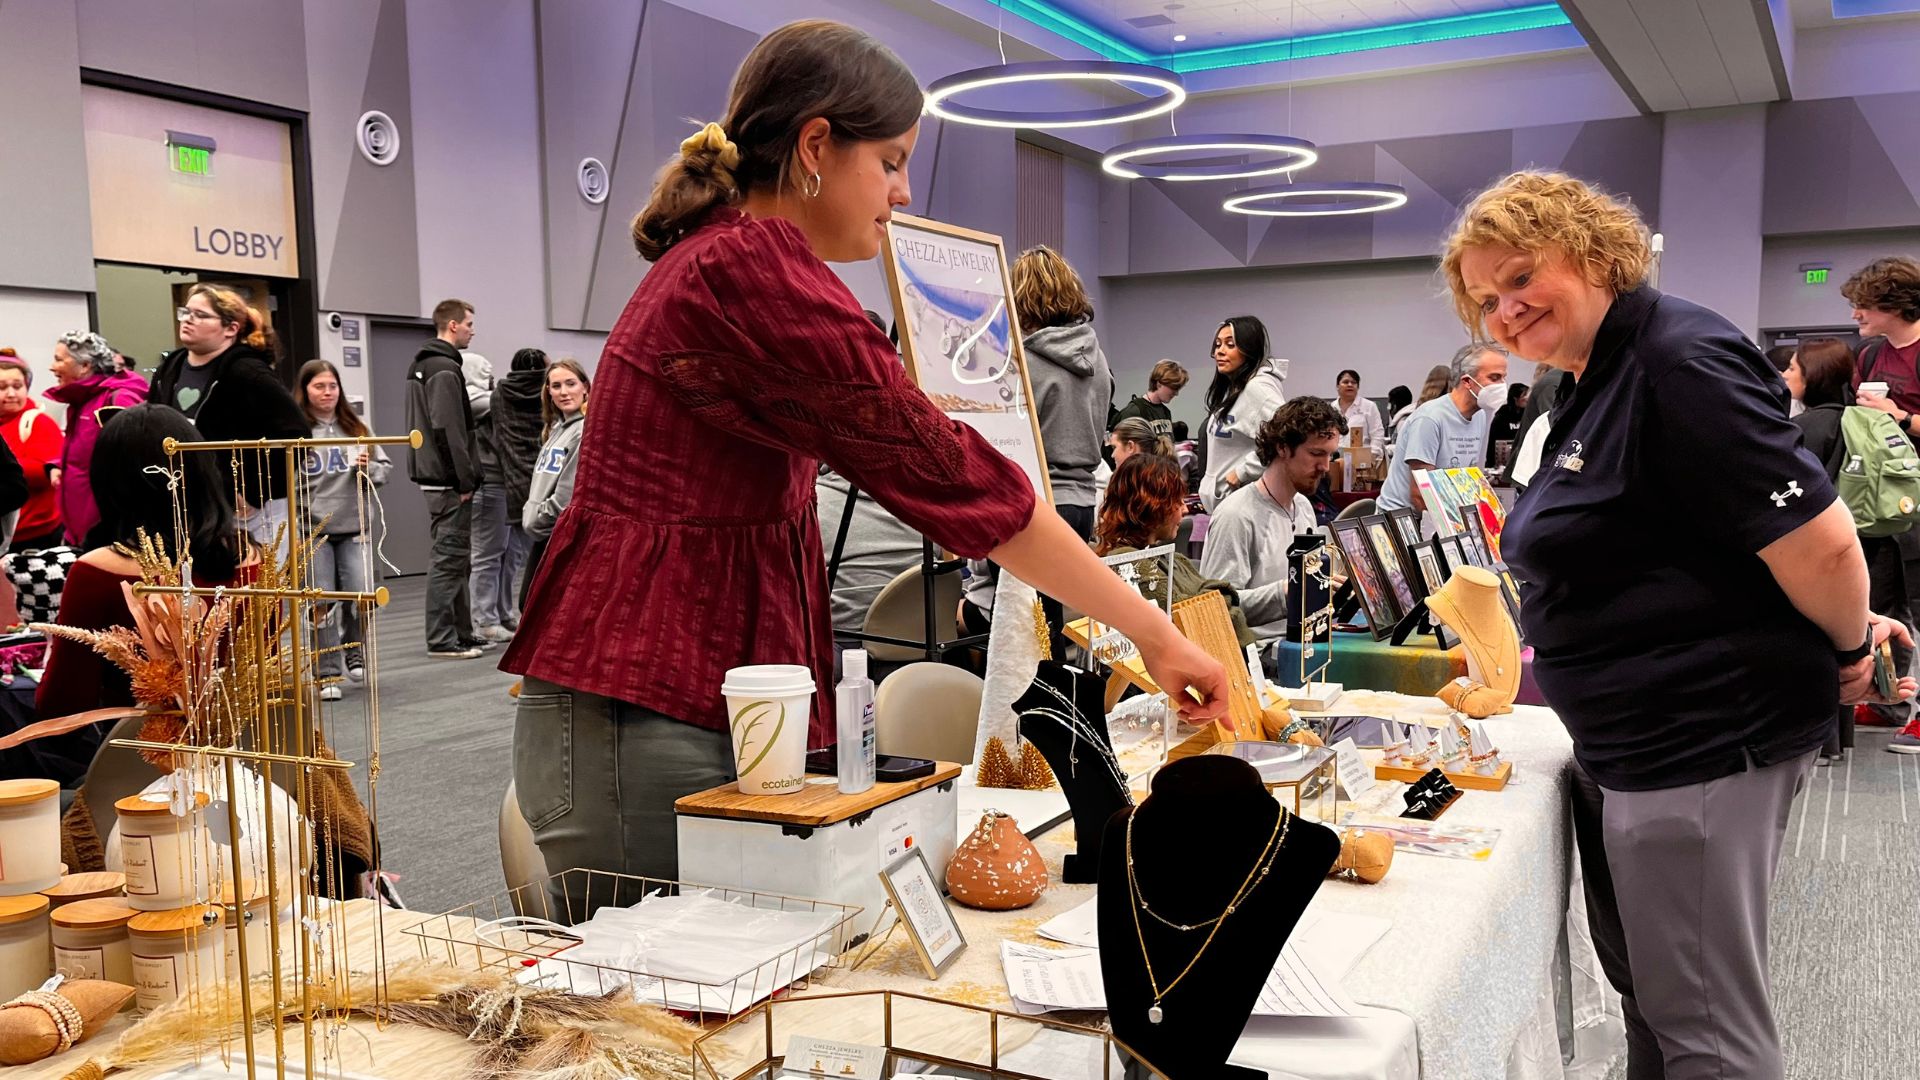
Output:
(1061, 717)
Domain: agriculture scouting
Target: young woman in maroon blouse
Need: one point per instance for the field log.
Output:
(692, 542)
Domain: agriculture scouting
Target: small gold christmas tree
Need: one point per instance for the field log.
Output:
(996, 766)
(1034, 773)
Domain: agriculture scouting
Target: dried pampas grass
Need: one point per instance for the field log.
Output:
(520, 1033)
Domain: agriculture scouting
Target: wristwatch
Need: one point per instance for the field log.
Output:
(1854, 656)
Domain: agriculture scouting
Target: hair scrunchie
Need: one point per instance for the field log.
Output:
(710, 146)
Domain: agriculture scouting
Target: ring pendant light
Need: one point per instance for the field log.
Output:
(1342, 198)
(941, 95)
(1125, 160)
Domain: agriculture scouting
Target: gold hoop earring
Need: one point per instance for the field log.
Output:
(813, 189)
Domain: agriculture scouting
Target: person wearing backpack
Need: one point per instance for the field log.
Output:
(1820, 377)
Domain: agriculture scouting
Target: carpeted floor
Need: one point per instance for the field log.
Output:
(1846, 919)
(1846, 925)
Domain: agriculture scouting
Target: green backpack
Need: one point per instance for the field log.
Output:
(1879, 476)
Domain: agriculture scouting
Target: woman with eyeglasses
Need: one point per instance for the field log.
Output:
(87, 381)
(223, 379)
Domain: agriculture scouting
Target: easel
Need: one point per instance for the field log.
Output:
(930, 567)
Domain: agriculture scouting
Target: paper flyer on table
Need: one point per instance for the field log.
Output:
(1079, 926)
(1043, 979)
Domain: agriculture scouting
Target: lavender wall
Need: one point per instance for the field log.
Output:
(1786, 300)
(1710, 180)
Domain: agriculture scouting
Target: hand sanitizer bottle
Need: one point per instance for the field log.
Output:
(856, 753)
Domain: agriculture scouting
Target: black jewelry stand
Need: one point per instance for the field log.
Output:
(1092, 791)
(1195, 838)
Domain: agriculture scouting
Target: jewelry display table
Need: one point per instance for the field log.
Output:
(1414, 668)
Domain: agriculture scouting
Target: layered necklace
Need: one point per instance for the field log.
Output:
(1078, 728)
(1137, 903)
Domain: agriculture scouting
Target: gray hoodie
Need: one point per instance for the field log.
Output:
(553, 473)
(334, 482)
(1072, 389)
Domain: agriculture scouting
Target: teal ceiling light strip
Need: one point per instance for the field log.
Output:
(1419, 32)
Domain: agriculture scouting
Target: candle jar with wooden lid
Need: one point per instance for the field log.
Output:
(73, 888)
(90, 940)
(29, 836)
(253, 922)
(176, 952)
(165, 856)
(26, 951)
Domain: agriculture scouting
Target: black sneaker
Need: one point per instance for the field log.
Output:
(356, 665)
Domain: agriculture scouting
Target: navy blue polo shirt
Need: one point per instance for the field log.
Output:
(1659, 636)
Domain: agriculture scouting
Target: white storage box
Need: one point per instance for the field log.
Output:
(818, 843)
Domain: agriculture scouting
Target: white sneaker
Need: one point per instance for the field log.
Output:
(357, 673)
(495, 633)
(330, 692)
(462, 653)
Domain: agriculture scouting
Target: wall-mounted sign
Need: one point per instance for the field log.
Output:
(1816, 273)
(188, 187)
(350, 356)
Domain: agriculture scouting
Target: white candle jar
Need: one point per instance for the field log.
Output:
(254, 924)
(73, 888)
(90, 940)
(29, 836)
(26, 952)
(176, 953)
(167, 859)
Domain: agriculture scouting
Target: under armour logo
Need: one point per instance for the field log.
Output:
(1793, 492)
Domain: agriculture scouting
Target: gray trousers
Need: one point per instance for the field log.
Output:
(596, 780)
(499, 549)
(1677, 886)
(449, 609)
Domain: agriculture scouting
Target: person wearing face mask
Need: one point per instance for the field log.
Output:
(1695, 598)
(1247, 387)
(1248, 537)
(692, 544)
(1449, 432)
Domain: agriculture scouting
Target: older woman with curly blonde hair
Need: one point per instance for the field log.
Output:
(1695, 597)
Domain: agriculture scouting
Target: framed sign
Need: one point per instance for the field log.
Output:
(953, 302)
(923, 911)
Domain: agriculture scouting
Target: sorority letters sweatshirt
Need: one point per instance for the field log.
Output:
(1072, 389)
(553, 474)
(333, 482)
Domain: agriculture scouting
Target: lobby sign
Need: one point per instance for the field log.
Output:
(188, 187)
(953, 302)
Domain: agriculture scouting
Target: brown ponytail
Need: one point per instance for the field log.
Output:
(813, 68)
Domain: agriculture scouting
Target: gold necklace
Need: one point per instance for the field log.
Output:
(1471, 638)
(1137, 903)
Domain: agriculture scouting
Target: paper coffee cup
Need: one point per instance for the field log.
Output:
(768, 706)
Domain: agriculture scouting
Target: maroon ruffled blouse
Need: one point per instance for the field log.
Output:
(692, 544)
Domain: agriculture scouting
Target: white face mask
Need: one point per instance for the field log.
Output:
(1492, 396)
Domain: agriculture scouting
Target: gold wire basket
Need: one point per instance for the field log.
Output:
(472, 936)
(917, 1033)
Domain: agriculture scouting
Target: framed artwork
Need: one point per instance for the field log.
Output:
(1459, 553)
(1375, 595)
(1433, 575)
(953, 302)
(1406, 532)
(1393, 568)
(923, 911)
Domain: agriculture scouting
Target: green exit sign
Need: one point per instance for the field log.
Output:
(197, 162)
(190, 154)
(1817, 277)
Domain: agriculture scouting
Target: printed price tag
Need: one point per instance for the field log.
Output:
(808, 1056)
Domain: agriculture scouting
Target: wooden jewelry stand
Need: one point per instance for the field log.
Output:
(1462, 780)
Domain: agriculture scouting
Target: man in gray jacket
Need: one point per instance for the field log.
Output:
(447, 468)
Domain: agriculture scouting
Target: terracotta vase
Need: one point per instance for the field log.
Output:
(996, 868)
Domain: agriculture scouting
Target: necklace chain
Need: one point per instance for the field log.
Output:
(1472, 638)
(1137, 902)
(1078, 727)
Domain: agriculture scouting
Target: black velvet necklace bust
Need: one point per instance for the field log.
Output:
(1196, 837)
(1080, 753)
